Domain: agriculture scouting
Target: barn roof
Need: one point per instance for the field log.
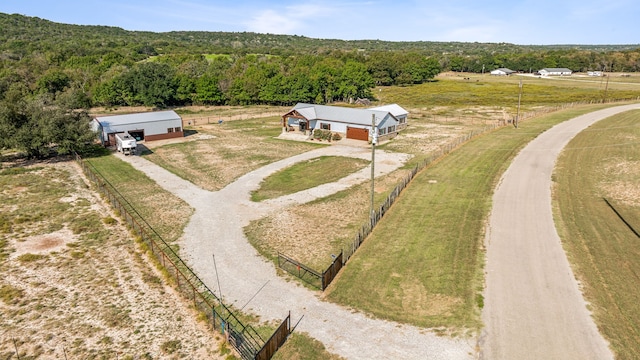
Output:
(395, 109)
(341, 114)
(115, 120)
(557, 70)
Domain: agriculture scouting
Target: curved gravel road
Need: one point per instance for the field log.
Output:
(248, 281)
(534, 307)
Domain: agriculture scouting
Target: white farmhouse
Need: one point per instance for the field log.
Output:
(555, 72)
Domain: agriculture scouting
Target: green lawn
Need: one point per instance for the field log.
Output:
(306, 175)
(423, 263)
(604, 162)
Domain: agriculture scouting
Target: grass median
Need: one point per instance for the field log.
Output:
(306, 175)
(603, 162)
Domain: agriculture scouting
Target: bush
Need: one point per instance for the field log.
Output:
(336, 137)
(28, 257)
(170, 347)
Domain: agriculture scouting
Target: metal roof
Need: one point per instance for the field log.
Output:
(395, 109)
(115, 120)
(340, 114)
(557, 70)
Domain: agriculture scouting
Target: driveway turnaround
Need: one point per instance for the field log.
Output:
(534, 307)
(250, 283)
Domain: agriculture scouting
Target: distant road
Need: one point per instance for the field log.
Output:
(534, 307)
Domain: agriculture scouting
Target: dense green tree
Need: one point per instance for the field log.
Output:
(37, 126)
(53, 82)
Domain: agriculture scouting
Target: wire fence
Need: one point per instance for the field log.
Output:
(244, 338)
(218, 119)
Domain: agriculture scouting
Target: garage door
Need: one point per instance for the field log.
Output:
(357, 133)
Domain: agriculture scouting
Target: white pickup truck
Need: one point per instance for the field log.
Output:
(126, 143)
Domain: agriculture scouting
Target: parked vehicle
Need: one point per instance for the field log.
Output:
(126, 143)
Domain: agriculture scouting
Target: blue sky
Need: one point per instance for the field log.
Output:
(524, 22)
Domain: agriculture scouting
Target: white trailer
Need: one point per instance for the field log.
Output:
(126, 143)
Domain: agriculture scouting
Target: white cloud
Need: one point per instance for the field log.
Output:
(272, 22)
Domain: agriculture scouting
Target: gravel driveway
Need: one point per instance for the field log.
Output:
(534, 307)
(250, 282)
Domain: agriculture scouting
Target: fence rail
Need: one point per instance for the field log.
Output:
(244, 338)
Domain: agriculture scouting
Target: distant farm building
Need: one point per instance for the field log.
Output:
(555, 72)
(502, 72)
(353, 123)
(147, 126)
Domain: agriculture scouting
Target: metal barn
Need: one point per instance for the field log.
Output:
(147, 126)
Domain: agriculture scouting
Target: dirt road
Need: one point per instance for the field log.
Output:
(534, 307)
(251, 283)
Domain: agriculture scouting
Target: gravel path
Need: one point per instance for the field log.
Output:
(534, 306)
(250, 282)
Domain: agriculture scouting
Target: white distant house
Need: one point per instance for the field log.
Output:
(353, 123)
(555, 72)
(502, 72)
(147, 126)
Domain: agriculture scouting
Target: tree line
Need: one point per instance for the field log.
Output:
(53, 71)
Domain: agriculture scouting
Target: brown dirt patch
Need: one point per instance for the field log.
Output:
(624, 189)
(44, 244)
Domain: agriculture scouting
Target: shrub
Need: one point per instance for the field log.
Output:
(109, 220)
(336, 136)
(30, 257)
(10, 294)
(171, 346)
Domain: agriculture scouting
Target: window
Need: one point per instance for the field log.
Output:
(391, 129)
(170, 130)
(177, 129)
(382, 131)
(325, 126)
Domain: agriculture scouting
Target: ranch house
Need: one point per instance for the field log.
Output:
(148, 126)
(555, 72)
(352, 123)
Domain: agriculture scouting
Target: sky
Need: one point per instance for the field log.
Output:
(522, 22)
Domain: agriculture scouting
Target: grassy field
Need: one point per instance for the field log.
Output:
(604, 162)
(307, 175)
(452, 92)
(220, 153)
(433, 237)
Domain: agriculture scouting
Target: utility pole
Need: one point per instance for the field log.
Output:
(606, 86)
(217, 277)
(519, 99)
(374, 139)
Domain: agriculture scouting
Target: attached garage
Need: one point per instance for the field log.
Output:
(147, 126)
(354, 123)
(357, 133)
